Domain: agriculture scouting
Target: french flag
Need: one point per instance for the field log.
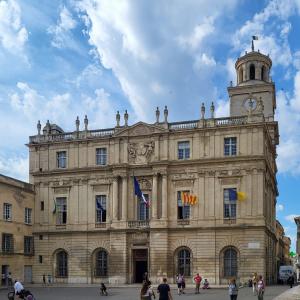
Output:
(138, 192)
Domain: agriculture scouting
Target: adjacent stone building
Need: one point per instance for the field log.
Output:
(90, 227)
(297, 221)
(16, 220)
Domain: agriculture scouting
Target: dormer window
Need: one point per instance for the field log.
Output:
(252, 72)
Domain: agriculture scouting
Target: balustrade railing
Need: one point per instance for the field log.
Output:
(90, 134)
(138, 224)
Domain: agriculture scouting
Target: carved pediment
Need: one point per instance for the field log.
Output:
(139, 128)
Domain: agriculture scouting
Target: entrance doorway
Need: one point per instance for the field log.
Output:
(4, 275)
(27, 274)
(140, 264)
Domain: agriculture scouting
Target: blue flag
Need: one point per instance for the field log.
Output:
(99, 206)
(138, 192)
(232, 194)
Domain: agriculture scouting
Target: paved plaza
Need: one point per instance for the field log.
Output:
(131, 293)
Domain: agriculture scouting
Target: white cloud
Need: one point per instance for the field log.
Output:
(291, 218)
(61, 30)
(200, 31)
(13, 35)
(222, 108)
(273, 36)
(15, 166)
(148, 50)
(279, 207)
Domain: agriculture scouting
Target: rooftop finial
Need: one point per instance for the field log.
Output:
(166, 112)
(39, 126)
(157, 113)
(77, 123)
(86, 122)
(126, 117)
(118, 118)
(202, 111)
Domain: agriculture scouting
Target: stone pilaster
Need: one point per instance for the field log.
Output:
(124, 198)
(115, 199)
(154, 197)
(164, 214)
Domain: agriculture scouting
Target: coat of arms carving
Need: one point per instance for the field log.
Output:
(141, 152)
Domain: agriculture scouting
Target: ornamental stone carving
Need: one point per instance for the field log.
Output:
(140, 153)
(145, 184)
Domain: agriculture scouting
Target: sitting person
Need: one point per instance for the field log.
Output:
(205, 285)
(103, 289)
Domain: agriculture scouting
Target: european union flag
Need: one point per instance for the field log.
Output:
(99, 206)
(232, 194)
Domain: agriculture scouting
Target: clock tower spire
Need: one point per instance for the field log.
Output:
(253, 85)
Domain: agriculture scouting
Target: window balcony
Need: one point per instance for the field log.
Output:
(183, 222)
(138, 224)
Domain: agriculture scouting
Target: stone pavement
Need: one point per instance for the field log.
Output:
(290, 294)
(131, 293)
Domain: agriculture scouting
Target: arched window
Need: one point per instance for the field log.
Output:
(263, 71)
(101, 263)
(61, 264)
(230, 262)
(252, 72)
(184, 262)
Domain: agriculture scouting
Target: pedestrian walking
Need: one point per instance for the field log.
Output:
(260, 288)
(147, 291)
(291, 280)
(164, 291)
(44, 279)
(9, 277)
(49, 279)
(197, 280)
(179, 278)
(254, 284)
(183, 285)
(233, 289)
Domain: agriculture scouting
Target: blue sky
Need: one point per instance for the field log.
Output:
(60, 59)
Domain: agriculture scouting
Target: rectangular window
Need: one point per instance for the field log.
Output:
(40, 237)
(61, 159)
(28, 212)
(100, 208)
(101, 156)
(230, 146)
(40, 259)
(183, 208)
(61, 210)
(143, 209)
(7, 243)
(42, 205)
(7, 212)
(229, 203)
(183, 150)
(28, 245)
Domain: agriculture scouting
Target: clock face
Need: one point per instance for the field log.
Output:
(250, 104)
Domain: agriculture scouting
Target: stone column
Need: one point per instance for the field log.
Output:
(124, 198)
(154, 197)
(164, 214)
(115, 199)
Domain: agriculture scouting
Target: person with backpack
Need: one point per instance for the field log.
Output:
(197, 280)
(179, 279)
(260, 288)
(233, 289)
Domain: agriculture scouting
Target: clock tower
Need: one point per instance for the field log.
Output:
(254, 86)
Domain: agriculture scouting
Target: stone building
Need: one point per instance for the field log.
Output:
(283, 245)
(297, 221)
(90, 227)
(16, 220)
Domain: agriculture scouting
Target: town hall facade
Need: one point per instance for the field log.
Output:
(90, 227)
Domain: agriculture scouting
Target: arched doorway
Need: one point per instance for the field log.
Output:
(229, 264)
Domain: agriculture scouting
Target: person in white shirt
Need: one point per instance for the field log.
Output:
(18, 287)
